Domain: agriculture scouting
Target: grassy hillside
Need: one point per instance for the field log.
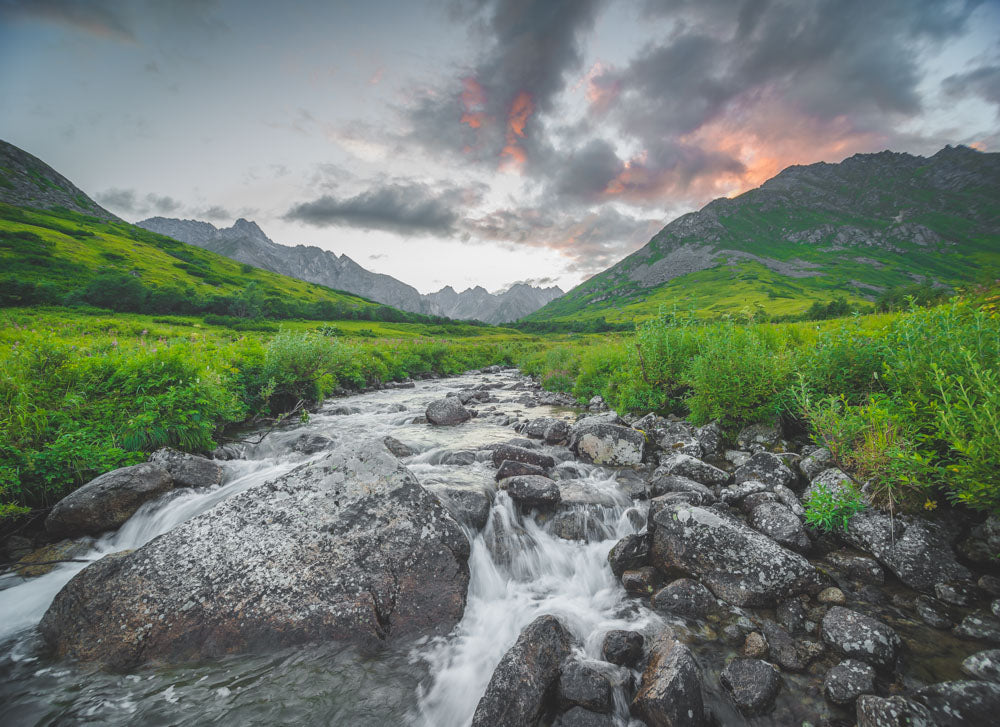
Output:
(855, 229)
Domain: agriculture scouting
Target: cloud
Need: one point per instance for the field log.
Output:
(108, 18)
(404, 207)
(215, 212)
(129, 202)
(983, 82)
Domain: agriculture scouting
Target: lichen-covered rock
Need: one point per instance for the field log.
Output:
(710, 438)
(783, 648)
(983, 665)
(915, 550)
(858, 567)
(447, 412)
(767, 468)
(815, 462)
(629, 553)
(311, 443)
(861, 637)
(532, 490)
(580, 717)
(873, 711)
(107, 501)
(398, 449)
(663, 483)
(188, 470)
(523, 686)
(755, 646)
(510, 468)
(557, 432)
(623, 648)
(468, 505)
(848, 680)
(979, 627)
(933, 612)
(513, 453)
(758, 436)
(642, 581)
(685, 597)
(753, 684)
(585, 684)
(960, 704)
(787, 498)
(833, 481)
(42, 561)
(737, 563)
(348, 547)
(693, 469)
(607, 444)
(957, 593)
(778, 523)
(670, 691)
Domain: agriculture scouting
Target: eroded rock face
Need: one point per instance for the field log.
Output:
(447, 412)
(107, 501)
(349, 547)
(670, 692)
(860, 637)
(523, 686)
(190, 470)
(738, 564)
(608, 444)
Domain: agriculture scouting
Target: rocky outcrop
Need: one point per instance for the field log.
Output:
(107, 501)
(347, 547)
(190, 470)
(523, 686)
(737, 563)
(670, 692)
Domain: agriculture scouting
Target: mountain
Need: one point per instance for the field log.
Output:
(247, 243)
(27, 181)
(56, 242)
(809, 234)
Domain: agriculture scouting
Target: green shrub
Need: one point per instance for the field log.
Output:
(829, 510)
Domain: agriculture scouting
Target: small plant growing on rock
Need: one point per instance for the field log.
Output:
(832, 509)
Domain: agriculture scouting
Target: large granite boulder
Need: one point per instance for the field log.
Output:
(188, 470)
(447, 412)
(767, 468)
(737, 563)
(685, 465)
(347, 547)
(608, 444)
(860, 637)
(916, 550)
(670, 691)
(963, 703)
(752, 684)
(524, 685)
(107, 501)
(513, 453)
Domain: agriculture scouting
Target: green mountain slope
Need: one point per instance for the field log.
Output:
(811, 233)
(57, 244)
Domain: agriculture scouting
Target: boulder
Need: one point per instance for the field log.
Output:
(685, 597)
(107, 501)
(468, 505)
(834, 482)
(957, 593)
(815, 462)
(737, 563)
(710, 438)
(916, 551)
(860, 637)
(447, 412)
(642, 581)
(623, 648)
(607, 444)
(983, 665)
(663, 483)
(759, 436)
(933, 612)
(960, 704)
(510, 468)
(736, 494)
(532, 490)
(791, 614)
(782, 647)
(585, 685)
(44, 560)
(346, 547)
(629, 553)
(557, 432)
(580, 717)
(872, 711)
(847, 681)
(670, 691)
(536, 428)
(459, 458)
(858, 567)
(514, 453)
(767, 468)
(778, 523)
(753, 684)
(693, 469)
(755, 646)
(189, 470)
(979, 627)
(397, 448)
(523, 686)
(310, 443)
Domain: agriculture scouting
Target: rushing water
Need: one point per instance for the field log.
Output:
(518, 569)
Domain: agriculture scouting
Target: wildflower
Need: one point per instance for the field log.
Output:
(930, 505)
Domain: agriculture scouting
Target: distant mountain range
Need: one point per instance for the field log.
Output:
(247, 243)
(809, 234)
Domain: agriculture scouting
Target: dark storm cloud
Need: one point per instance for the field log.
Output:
(403, 207)
(983, 82)
(529, 48)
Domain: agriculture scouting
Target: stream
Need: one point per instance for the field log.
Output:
(518, 570)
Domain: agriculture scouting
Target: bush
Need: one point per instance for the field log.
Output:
(832, 510)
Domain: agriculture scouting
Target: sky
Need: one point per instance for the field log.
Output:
(480, 142)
